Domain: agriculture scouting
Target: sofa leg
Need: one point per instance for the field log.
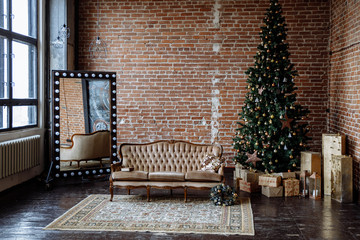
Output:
(185, 194)
(171, 192)
(148, 193)
(128, 191)
(111, 193)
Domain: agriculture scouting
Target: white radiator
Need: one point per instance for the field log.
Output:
(19, 155)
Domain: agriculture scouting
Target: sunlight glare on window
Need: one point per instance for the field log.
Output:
(20, 17)
(3, 14)
(3, 69)
(24, 115)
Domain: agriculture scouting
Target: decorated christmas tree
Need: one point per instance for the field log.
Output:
(272, 131)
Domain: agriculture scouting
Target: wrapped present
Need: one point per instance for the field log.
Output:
(237, 183)
(342, 178)
(285, 174)
(269, 180)
(249, 186)
(291, 187)
(237, 172)
(311, 162)
(250, 176)
(332, 144)
(272, 191)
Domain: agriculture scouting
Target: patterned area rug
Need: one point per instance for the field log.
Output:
(134, 213)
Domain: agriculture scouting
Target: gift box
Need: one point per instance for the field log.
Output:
(272, 191)
(269, 180)
(342, 178)
(237, 183)
(285, 174)
(311, 162)
(291, 187)
(237, 172)
(249, 187)
(332, 144)
(250, 176)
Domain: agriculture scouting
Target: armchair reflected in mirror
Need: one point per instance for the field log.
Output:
(84, 126)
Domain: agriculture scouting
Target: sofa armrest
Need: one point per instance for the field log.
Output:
(221, 169)
(116, 167)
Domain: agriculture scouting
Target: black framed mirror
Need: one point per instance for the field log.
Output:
(84, 123)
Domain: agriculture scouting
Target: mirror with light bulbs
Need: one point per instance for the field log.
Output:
(84, 123)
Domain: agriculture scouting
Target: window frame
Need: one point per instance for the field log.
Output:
(10, 36)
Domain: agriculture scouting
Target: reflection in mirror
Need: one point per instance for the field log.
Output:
(84, 128)
(84, 109)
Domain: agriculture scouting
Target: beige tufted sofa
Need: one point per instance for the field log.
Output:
(165, 164)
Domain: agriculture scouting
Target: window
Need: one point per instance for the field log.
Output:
(18, 64)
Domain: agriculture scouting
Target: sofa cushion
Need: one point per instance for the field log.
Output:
(201, 176)
(132, 175)
(167, 176)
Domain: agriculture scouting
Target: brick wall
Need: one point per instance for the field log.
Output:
(71, 108)
(180, 64)
(344, 77)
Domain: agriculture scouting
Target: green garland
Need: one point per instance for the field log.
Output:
(223, 195)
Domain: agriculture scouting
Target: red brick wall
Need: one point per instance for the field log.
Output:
(344, 77)
(180, 64)
(71, 108)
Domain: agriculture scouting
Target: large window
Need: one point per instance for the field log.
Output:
(18, 64)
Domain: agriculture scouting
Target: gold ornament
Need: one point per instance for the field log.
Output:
(270, 163)
(291, 157)
(276, 160)
(272, 116)
(294, 165)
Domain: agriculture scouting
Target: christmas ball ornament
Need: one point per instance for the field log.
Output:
(282, 143)
(294, 165)
(291, 156)
(270, 163)
(276, 161)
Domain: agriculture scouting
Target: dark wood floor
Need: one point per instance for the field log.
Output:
(26, 209)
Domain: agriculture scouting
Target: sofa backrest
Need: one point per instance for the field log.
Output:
(167, 155)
